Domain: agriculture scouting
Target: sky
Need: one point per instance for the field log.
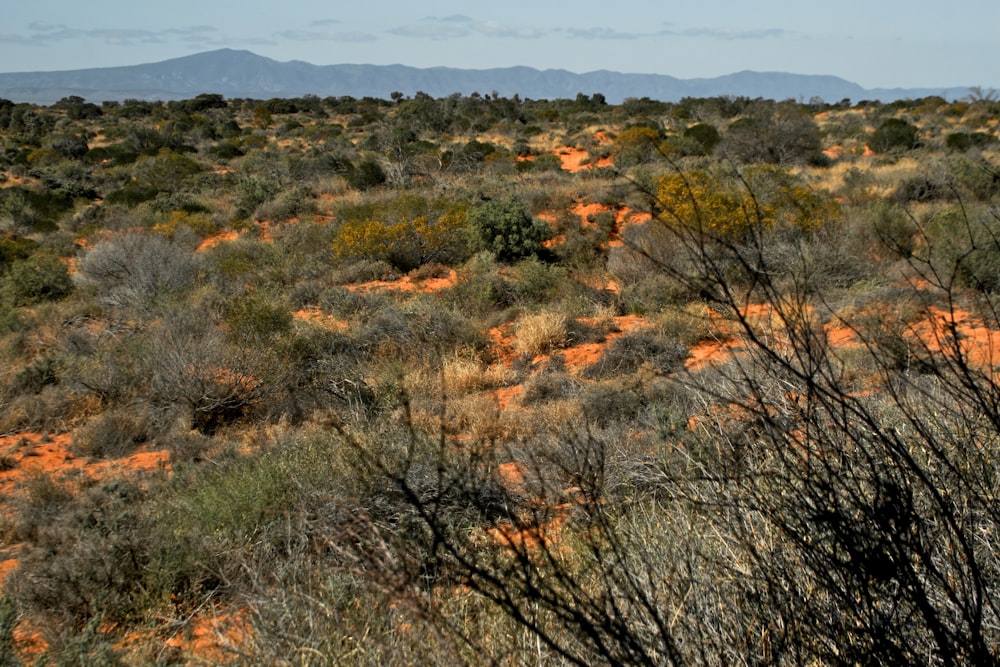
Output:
(880, 44)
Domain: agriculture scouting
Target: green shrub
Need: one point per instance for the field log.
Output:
(365, 175)
(344, 303)
(507, 229)
(131, 195)
(226, 150)
(253, 190)
(705, 135)
(97, 559)
(291, 203)
(246, 261)
(408, 231)
(964, 243)
(34, 210)
(481, 288)
(893, 134)
(651, 291)
(607, 404)
(541, 163)
(362, 271)
(894, 229)
(538, 282)
(256, 319)
(928, 186)
(773, 134)
(976, 175)
(15, 248)
(963, 141)
(35, 376)
(8, 623)
(35, 279)
(418, 330)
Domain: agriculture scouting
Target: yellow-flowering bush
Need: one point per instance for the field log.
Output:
(408, 232)
(728, 208)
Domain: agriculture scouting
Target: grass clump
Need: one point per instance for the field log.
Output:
(541, 333)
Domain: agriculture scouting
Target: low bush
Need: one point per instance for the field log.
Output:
(893, 134)
(507, 229)
(660, 351)
(112, 434)
(547, 386)
(36, 279)
(367, 174)
(139, 271)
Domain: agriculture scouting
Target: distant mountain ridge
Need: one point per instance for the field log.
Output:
(244, 74)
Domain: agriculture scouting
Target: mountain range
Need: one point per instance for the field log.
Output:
(242, 74)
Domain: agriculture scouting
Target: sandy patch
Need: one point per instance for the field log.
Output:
(7, 566)
(215, 240)
(576, 160)
(520, 539)
(31, 454)
(407, 284)
(212, 638)
(587, 210)
(960, 332)
(709, 353)
(319, 318)
(505, 396)
(833, 152)
(512, 474)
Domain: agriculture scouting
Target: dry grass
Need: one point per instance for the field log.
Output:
(463, 375)
(541, 333)
(604, 317)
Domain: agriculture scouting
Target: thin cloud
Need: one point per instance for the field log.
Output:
(319, 23)
(458, 26)
(324, 36)
(735, 35)
(10, 38)
(605, 33)
(44, 34)
(44, 26)
(433, 29)
(491, 29)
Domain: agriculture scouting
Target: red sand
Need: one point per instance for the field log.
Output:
(32, 454)
(213, 241)
(575, 160)
(407, 284)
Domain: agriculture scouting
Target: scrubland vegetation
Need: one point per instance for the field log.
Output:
(479, 380)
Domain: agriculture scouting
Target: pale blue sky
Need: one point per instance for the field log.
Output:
(880, 43)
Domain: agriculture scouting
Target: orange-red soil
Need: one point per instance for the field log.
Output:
(576, 159)
(214, 638)
(29, 454)
(205, 636)
(406, 284)
(213, 241)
